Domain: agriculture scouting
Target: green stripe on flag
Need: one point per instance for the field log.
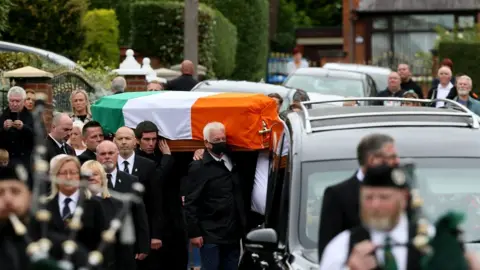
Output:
(108, 110)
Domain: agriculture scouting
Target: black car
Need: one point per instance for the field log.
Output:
(443, 143)
(332, 82)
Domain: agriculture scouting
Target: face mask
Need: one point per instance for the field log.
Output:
(219, 148)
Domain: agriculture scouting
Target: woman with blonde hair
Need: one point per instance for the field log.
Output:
(80, 106)
(119, 257)
(76, 139)
(65, 198)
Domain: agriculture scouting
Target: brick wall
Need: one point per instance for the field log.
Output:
(136, 83)
(41, 85)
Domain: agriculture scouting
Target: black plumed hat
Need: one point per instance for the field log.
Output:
(385, 176)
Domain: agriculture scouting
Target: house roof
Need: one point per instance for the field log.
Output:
(417, 5)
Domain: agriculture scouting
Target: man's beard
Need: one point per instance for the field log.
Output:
(125, 151)
(462, 92)
(109, 166)
(381, 223)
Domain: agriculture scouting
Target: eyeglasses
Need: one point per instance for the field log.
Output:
(69, 173)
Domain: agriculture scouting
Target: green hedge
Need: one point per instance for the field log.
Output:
(465, 56)
(251, 19)
(54, 25)
(101, 36)
(157, 29)
(225, 49)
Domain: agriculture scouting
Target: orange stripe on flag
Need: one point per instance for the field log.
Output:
(242, 114)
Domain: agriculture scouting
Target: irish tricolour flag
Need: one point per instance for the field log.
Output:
(182, 115)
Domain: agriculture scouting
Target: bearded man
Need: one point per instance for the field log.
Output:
(464, 87)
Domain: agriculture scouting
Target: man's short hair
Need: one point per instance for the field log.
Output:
(207, 130)
(371, 144)
(119, 84)
(17, 90)
(90, 124)
(145, 127)
(277, 96)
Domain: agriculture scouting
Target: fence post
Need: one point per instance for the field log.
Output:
(133, 73)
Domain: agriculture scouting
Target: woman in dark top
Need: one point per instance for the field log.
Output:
(80, 106)
(119, 256)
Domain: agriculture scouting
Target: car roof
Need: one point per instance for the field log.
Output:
(358, 68)
(241, 86)
(412, 137)
(56, 58)
(323, 72)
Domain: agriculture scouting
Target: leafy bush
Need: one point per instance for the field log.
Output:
(157, 29)
(225, 48)
(464, 35)
(465, 55)
(96, 72)
(101, 36)
(5, 6)
(54, 25)
(251, 19)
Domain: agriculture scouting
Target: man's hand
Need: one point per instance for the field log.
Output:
(473, 260)
(361, 257)
(8, 124)
(197, 242)
(164, 148)
(140, 256)
(156, 244)
(18, 124)
(198, 155)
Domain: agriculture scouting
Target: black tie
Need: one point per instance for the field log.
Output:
(125, 169)
(109, 177)
(66, 210)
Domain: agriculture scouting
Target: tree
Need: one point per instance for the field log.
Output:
(5, 6)
(289, 18)
(322, 12)
(54, 25)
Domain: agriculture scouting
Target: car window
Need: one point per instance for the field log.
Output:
(381, 80)
(445, 184)
(327, 85)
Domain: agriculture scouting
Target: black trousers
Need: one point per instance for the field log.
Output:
(172, 255)
(254, 220)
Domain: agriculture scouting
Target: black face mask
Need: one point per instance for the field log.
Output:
(219, 148)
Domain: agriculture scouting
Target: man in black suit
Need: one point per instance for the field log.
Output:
(340, 208)
(145, 170)
(56, 140)
(172, 231)
(92, 134)
(214, 206)
(184, 82)
(107, 155)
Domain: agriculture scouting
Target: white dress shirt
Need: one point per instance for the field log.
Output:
(60, 145)
(291, 67)
(259, 192)
(360, 175)
(442, 92)
(72, 205)
(130, 161)
(226, 161)
(114, 177)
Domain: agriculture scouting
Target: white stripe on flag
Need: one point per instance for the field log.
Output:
(170, 111)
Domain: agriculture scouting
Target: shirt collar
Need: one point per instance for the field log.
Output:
(58, 144)
(130, 159)
(360, 175)
(113, 173)
(75, 196)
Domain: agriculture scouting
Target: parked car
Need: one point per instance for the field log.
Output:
(323, 153)
(332, 82)
(378, 74)
(287, 93)
(55, 58)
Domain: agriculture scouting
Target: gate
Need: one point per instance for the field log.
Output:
(63, 84)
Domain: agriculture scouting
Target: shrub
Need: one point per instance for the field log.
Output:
(251, 19)
(225, 48)
(157, 29)
(465, 56)
(101, 36)
(54, 25)
(5, 6)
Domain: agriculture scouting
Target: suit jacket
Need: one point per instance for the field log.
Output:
(124, 184)
(18, 143)
(92, 220)
(340, 211)
(118, 256)
(86, 156)
(145, 170)
(53, 149)
(182, 83)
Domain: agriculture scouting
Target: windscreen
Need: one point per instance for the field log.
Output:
(327, 85)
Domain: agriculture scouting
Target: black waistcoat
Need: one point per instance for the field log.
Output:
(414, 256)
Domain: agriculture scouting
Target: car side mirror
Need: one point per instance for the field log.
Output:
(259, 239)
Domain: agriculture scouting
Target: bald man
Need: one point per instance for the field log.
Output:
(145, 170)
(119, 181)
(184, 82)
(56, 140)
(407, 82)
(393, 90)
(445, 89)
